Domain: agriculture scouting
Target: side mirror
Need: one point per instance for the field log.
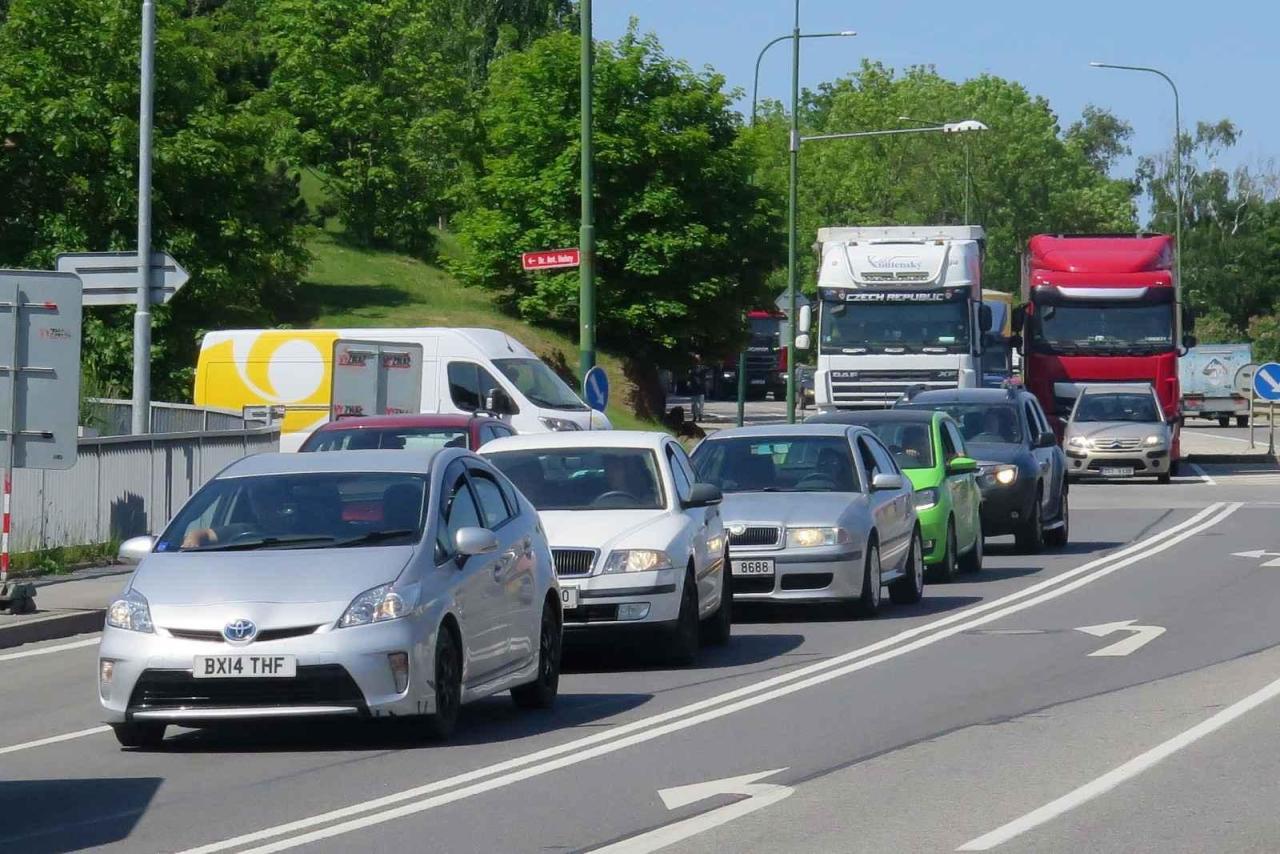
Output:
(1047, 439)
(475, 541)
(1015, 341)
(886, 481)
(704, 495)
(806, 320)
(497, 400)
(803, 342)
(962, 465)
(1189, 341)
(986, 319)
(1018, 319)
(133, 550)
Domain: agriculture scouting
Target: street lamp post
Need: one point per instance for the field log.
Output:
(755, 100)
(967, 162)
(1177, 180)
(587, 230)
(142, 313)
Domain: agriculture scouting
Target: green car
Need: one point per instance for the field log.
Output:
(930, 451)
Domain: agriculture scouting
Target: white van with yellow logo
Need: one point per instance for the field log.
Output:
(462, 370)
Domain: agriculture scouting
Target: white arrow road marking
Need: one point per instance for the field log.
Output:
(1259, 553)
(1142, 635)
(759, 796)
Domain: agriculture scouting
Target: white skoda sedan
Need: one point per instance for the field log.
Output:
(637, 542)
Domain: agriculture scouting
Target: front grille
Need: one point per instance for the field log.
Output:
(882, 387)
(1119, 462)
(750, 584)
(574, 561)
(755, 536)
(592, 614)
(1131, 444)
(807, 580)
(315, 685)
(266, 635)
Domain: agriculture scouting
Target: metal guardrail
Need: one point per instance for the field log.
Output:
(115, 418)
(124, 486)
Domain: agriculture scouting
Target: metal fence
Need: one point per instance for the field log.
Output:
(115, 418)
(124, 486)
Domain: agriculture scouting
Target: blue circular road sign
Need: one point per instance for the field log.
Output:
(595, 389)
(1266, 381)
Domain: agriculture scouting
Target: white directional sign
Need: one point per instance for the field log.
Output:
(1258, 554)
(1139, 637)
(758, 796)
(111, 278)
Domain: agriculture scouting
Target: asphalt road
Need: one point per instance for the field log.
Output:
(982, 718)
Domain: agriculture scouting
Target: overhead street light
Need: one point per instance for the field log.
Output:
(955, 127)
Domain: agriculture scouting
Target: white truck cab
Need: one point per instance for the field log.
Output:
(899, 306)
(311, 375)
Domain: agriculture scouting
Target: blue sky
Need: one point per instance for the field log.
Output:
(1225, 64)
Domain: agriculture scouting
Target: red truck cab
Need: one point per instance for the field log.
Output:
(1100, 309)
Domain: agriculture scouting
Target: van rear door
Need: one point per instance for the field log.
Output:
(375, 378)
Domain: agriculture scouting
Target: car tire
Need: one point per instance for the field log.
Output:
(440, 725)
(1224, 420)
(1164, 478)
(867, 605)
(944, 572)
(1173, 468)
(1242, 420)
(971, 561)
(682, 644)
(139, 735)
(1030, 535)
(1058, 537)
(910, 590)
(718, 628)
(541, 692)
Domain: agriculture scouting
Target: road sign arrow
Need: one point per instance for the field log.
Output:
(1260, 553)
(111, 278)
(758, 796)
(1142, 635)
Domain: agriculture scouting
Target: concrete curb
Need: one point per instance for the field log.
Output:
(50, 627)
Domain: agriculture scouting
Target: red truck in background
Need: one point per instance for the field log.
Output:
(766, 361)
(1101, 309)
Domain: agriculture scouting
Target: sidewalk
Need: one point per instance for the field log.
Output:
(1205, 445)
(65, 605)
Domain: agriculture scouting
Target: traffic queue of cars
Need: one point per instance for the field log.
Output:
(448, 560)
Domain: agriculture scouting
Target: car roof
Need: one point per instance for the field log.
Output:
(373, 422)
(965, 395)
(1117, 388)
(876, 416)
(401, 462)
(652, 439)
(770, 431)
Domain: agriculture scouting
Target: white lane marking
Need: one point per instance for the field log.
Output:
(54, 739)
(1217, 436)
(1259, 553)
(46, 650)
(1203, 475)
(1142, 635)
(759, 795)
(1116, 776)
(647, 729)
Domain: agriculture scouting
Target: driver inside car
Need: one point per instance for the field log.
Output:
(270, 515)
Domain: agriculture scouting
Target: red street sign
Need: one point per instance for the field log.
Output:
(550, 259)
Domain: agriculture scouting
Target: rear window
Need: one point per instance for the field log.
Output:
(399, 438)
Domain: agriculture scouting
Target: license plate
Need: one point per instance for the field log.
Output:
(751, 567)
(244, 666)
(569, 598)
(1117, 471)
(758, 381)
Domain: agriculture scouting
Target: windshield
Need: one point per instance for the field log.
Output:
(390, 438)
(765, 331)
(301, 511)
(896, 326)
(1116, 406)
(908, 440)
(540, 384)
(993, 424)
(777, 464)
(585, 478)
(1103, 327)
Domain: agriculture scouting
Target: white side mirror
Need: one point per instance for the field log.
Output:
(806, 320)
(803, 342)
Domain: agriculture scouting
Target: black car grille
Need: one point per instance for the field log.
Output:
(755, 536)
(574, 561)
(315, 685)
(265, 635)
(807, 580)
(592, 614)
(751, 584)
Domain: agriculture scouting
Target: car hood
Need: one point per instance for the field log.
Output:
(604, 529)
(1114, 429)
(273, 588)
(996, 453)
(786, 508)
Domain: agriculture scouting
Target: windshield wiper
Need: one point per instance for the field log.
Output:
(243, 545)
(372, 537)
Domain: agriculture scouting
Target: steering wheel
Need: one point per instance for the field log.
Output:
(817, 479)
(615, 495)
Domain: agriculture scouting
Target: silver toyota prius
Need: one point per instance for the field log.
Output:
(815, 512)
(351, 584)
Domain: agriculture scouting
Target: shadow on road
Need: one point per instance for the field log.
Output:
(1075, 547)
(71, 815)
(646, 654)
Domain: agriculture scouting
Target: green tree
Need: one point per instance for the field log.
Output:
(1264, 332)
(68, 108)
(683, 238)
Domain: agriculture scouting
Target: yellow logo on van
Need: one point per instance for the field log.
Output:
(275, 366)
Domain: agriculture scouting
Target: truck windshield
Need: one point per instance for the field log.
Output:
(1103, 326)
(764, 331)
(540, 384)
(895, 327)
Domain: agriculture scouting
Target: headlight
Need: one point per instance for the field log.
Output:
(1153, 440)
(926, 498)
(808, 538)
(1077, 442)
(558, 425)
(1002, 474)
(374, 606)
(636, 560)
(130, 612)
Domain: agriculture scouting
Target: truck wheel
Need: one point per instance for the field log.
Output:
(1224, 420)
(1242, 420)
